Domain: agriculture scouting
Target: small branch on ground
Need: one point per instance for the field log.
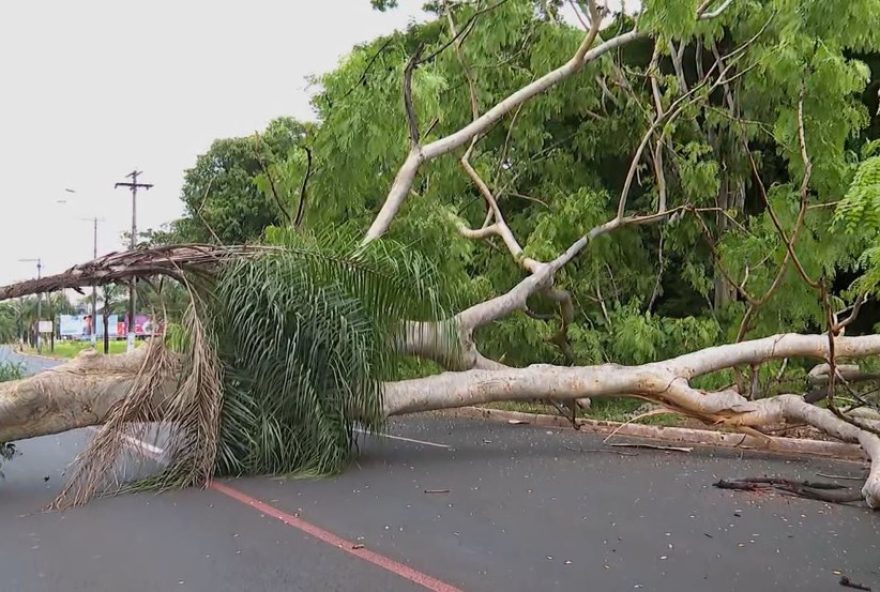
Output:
(652, 446)
(820, 491)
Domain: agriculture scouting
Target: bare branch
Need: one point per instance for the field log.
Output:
(301, 209)
(856, 308)
(677, 54)
(266, 172)
(406, 175)
(411, 119)
(667, 117)
(659, 173)
(500, 227)
(704, 14)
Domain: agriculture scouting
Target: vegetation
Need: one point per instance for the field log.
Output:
(279, 392)
(8, 371)
(724, 149)
(611, 188)
(559, 166)
(223, 199)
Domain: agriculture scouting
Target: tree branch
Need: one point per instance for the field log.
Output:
(301, 209)
(93, 384)
(704, 14)
(657, 382)
(266, 172)
(411, 119)
(406, 175)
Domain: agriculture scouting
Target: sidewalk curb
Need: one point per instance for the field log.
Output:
(695, 437)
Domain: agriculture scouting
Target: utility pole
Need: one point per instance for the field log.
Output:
(134, 186)
(39, 263)
(94, 220)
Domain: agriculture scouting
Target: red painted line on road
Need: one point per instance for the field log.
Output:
(386, 563)
(325, 536)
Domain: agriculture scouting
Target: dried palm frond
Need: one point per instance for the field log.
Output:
(94, 467)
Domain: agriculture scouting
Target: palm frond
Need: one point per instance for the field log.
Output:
(280, 357)
(306, 338)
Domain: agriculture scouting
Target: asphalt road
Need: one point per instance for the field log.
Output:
(508, 508)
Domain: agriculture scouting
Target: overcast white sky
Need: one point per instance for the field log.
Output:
(93, 88)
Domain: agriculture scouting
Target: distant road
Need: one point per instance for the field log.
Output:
(32, 364)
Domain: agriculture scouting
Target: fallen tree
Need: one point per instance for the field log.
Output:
(92, 385)
(286, 348)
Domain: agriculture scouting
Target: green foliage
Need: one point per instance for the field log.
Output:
(860, 207)
(557, 167)
(8, 371)
(9, 326)
(303, 336)
(11, 371)
(675, 19)
(383, 5)
(225, 196)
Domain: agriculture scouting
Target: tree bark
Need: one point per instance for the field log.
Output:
(73, 395)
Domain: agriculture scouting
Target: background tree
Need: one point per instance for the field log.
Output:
(222, 199)
(9, 327)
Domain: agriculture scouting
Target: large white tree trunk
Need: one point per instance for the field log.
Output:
(76, 394)
(82, 392)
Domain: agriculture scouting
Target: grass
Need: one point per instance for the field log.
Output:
(66, 350)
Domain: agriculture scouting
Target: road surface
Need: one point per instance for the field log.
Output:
(444, 504)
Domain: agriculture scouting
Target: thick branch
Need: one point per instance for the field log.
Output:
(77, 394)
(748, 353)
(405, 177)
(82, 392)
(500, 227)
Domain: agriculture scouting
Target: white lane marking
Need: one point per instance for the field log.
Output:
(153, 450)
(145, 448)
(157, 453)
(401, 438)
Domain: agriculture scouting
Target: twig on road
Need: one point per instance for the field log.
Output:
(653, 446)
